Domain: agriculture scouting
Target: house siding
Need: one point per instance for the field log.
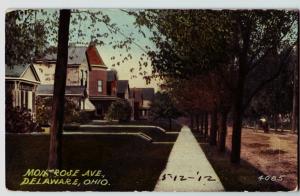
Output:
(73, 76)
(95, 75)
(46, 73)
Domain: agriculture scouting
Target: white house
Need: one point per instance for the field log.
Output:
(21, 82)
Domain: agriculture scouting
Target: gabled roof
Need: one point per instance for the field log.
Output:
(70, 90)
(142, 93)
(18, 71)
(122, 86)
(78, 55)
(93, 57)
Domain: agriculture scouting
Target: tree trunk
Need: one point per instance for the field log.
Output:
(59, 90)
(205, 124)
(197, 123)
(275, 122)
(223, 131)
(295, 112)
(202, 122)
(213, 128)
(170, 124)
(237, 122)
(192, 122)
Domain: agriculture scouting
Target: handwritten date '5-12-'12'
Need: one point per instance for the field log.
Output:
(184, 178)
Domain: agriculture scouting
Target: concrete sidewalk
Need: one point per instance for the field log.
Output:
(188, 168)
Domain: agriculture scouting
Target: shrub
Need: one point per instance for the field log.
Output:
(72, 112)
(119, 110)
(43, 111)
(19, 120)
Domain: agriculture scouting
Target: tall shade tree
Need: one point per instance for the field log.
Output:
(163, 107)
(59, 90)
(264, 42)
(26, 38)
(246, 43)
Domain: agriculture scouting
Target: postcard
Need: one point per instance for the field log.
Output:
(159, 100)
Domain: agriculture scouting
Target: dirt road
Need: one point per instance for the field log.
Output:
(274, 154)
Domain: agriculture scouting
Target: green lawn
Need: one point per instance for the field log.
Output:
(129, 163)
(160, 123)
(156, 134)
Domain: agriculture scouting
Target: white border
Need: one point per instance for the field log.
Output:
(203, 4)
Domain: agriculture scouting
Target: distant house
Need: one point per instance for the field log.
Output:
(91, 84)
(102, 88)
(78, 69)
(123, 92)
(123, 89)
(112, 78)
(21, 82)
(143, 98)
(89, 81)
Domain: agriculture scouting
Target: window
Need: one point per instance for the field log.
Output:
(100, 86)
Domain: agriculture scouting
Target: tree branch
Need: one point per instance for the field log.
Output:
(282, 63)
(256, 63)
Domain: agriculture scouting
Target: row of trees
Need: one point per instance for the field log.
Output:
(219, 61)
(231, 48)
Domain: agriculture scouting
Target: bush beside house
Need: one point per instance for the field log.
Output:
(13, 123)
(119, 110)
(13, 115)
(72, 111)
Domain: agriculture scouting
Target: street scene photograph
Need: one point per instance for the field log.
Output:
(159, 100)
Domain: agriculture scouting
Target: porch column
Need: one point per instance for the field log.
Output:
(18, 95)
(23, 98)
(14, 95)
(33, 102)
(29, 104)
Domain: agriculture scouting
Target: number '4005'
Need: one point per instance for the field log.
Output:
(270, 178)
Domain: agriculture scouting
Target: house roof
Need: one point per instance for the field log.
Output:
(122, 86)
(111, 75)
(93, 56)
(20, 71)
(70, 90)
(76, 55)
(16, 70)
(142, 93)
(148, 93)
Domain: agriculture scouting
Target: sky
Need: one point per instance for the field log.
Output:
(124, 22)
(83, 30)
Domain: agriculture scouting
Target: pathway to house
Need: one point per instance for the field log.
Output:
(188, 168)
